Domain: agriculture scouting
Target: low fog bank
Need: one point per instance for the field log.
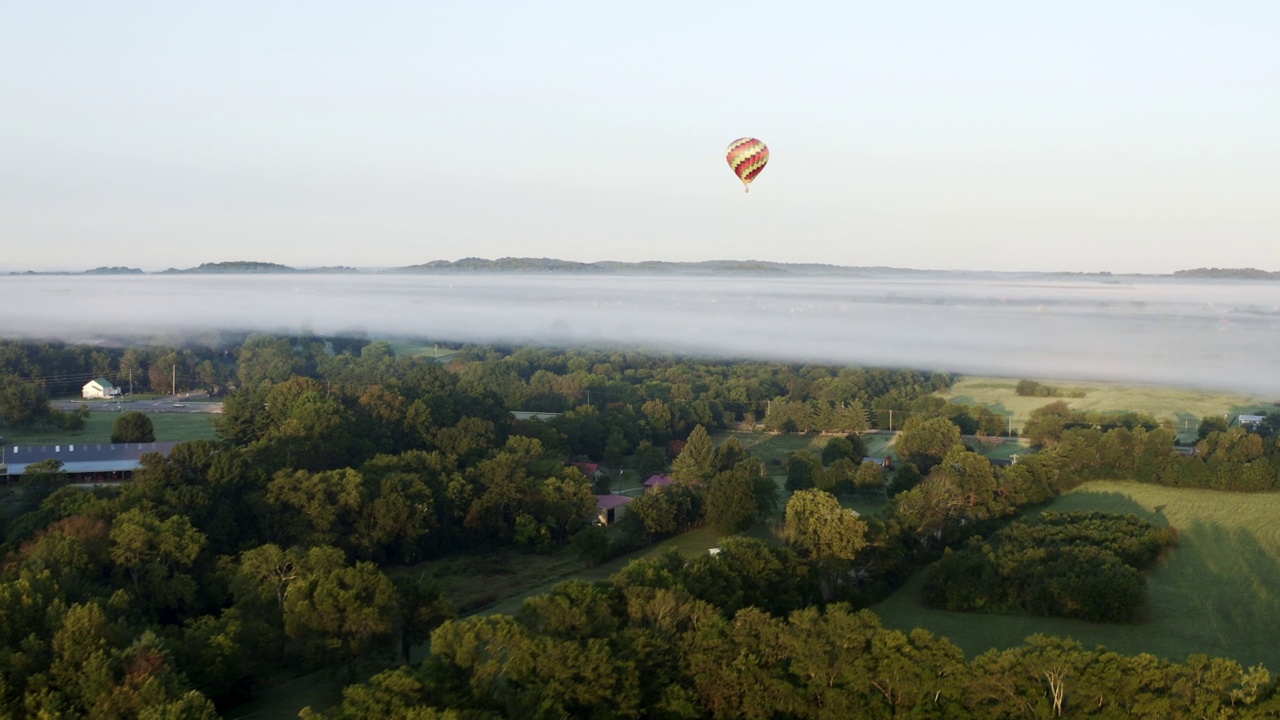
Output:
(1193, 333)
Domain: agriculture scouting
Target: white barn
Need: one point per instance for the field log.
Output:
(99, 388)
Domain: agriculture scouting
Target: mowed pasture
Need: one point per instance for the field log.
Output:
(168, 426)
(1182, 407)
(1217, 593)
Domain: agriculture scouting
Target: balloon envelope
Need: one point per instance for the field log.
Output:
(747, 156)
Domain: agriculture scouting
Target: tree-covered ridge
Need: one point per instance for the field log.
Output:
(547, 265)
(115, 270)
(1228, 273)
(1073, 565)
(256, 267)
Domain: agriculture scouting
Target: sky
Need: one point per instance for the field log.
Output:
(1087, 136)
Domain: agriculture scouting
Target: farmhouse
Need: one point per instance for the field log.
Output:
(99, 388)
(610, 508)
(94, 462)
(1246, 421)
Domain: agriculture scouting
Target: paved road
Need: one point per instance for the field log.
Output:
(192, 402)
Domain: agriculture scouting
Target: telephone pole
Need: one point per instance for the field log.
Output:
(175, 380)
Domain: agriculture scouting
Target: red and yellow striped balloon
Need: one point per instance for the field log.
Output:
(747, 156)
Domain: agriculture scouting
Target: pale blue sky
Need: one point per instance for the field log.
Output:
(1121, 136)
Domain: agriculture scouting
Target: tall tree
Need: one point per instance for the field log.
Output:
(731, 502)
(696, 462)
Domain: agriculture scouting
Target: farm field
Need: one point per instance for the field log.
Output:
(1217, 593)
(1180, 406)
(168, 426)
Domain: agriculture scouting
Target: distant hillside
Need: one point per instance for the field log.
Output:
(1228, 274)
(249, 267)
(114, 271)
(550, 265)
(238, 266)
(647, 267)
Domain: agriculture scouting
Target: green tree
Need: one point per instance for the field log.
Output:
(421, 607)
(1028, 388)
(133, 427)
(399, 513)
(696, 462)
(1045, 425)
(649, 459)
(270, 359)
(818, 527)
(849, 446)
(869, 478)
(342, 613)
(804, 471)
(319, 508)
(155, 554)
(731, 502)
(924, 441)
(22, 404)
(1210, 424)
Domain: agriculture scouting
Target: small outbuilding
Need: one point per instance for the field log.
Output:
(99, 388)
(656, 481)
(610, 508)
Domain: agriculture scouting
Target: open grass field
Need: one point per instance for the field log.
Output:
(1217, 593)
(1180, 406)
(168, 426)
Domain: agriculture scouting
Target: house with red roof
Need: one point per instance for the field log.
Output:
(590, 469)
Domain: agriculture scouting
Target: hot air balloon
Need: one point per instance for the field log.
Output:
(747, 156)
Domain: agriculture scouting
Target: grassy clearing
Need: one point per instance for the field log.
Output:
(1217, 593)
(1182, 407)
(168, 426)
(438, 353)
(772, 448)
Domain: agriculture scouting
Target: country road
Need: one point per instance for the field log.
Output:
(192, 402)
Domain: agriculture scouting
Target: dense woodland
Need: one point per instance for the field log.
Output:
(1080, 565)
(289, 543)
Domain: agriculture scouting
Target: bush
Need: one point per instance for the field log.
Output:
(133, 427)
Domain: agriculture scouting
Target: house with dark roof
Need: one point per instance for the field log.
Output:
(82, 462)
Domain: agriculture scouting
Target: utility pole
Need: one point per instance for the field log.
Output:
(175, 380)
(130, 381)
(890, 421)
(1010, 433)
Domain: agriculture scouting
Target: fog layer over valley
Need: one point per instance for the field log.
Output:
(1197, 333)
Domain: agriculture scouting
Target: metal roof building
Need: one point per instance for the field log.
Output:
(96, 461)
